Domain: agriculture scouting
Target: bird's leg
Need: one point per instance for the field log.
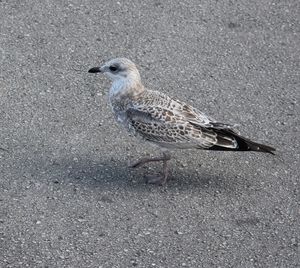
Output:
(156, 179)
(160, 179)
(146, 160)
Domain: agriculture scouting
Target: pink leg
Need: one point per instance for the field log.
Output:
(155, 179)
(145, 160)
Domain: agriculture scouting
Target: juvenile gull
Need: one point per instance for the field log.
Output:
(164, 121)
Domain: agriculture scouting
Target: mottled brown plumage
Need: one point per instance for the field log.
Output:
(164, 121)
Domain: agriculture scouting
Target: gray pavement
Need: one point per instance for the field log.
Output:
(67, 197)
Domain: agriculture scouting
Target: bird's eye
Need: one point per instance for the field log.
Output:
(113, 68)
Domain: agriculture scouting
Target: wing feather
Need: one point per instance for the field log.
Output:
(160, 119)
(173, 124)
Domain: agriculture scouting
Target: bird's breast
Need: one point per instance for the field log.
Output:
(119, 109)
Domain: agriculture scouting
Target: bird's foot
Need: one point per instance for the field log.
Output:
(146, 160)
(139, 163)
(156, 179)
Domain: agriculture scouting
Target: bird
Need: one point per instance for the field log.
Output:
(164, 121)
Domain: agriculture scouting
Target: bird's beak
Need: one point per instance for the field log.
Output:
(95, 70)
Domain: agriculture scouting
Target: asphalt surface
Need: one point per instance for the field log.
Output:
(67, 197)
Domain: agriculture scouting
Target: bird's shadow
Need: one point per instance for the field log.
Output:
(109, 173)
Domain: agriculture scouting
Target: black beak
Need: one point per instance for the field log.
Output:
(95, 70)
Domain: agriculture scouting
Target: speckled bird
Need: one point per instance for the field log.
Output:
(164, 121)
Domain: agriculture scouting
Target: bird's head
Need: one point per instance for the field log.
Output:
(119, 68)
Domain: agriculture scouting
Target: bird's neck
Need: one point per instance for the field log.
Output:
(129, 86)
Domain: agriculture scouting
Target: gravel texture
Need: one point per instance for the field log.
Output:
(67, 197)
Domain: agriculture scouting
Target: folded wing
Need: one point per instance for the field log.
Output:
(174, 124)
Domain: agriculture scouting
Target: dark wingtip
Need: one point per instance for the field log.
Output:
(267, 149)
(261, 147)
(244, 144)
